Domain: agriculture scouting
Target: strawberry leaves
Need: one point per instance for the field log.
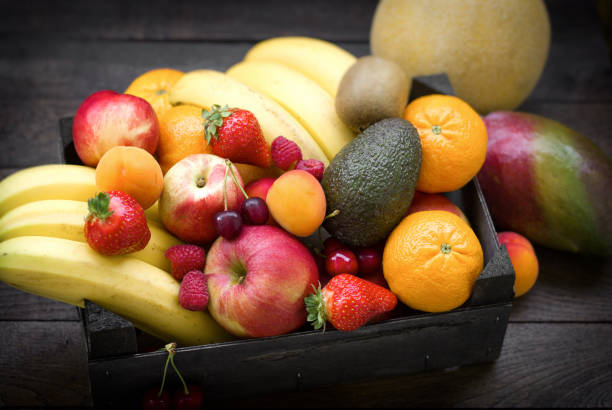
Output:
(316, 308)
(213, 120)
(99, 206)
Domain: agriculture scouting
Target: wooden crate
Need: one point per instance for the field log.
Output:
(122, 365)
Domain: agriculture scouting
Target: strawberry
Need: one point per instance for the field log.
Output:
(116, 224)
(184, 258)
(193, 293)
(235, 134)
(348, 302)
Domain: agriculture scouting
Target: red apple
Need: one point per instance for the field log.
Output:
(258, 281)
(193, 193)
(107, 119)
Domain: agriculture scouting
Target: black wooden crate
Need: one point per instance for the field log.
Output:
(122, 364)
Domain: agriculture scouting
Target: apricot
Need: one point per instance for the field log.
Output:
(296, 201)
(524, 261)
(131, 170)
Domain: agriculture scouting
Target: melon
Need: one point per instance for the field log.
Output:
(493, 51)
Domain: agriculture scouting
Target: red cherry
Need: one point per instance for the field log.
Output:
(341, 261)
(331, 244)
(369, 260)
(151, 401)
(191, 401)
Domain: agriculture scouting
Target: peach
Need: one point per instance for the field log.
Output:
(434, 202)
(524, 261)
(131, 170)
(297, 202)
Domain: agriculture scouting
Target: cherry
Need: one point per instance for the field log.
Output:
(227, 224)
(153, 400)
(331, 244)
(255, 211)
(190, 400)
(341, 261)
(369, 260)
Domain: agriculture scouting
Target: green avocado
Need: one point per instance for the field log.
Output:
(371, 182)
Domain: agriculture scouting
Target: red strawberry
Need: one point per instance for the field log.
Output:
(185, 258)
(285, 152)
(193, 293)
(116, 224)
(348, 302)
(235, 134)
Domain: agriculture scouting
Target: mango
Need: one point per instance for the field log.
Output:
(547, 182)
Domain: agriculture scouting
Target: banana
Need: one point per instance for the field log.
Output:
(320, 60)
(207, 87)
(301, 96)
(71, 272)
(62, 218)
(53, 181)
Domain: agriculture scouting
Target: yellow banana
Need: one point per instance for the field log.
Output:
(62, 218)
(301, 96)
(52, 181)
(207, 87)
(320, 60)
(71, 271)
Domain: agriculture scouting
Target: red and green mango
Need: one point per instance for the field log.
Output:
(547, 182)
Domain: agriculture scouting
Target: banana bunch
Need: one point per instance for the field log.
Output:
(302, 74)
(289, 84)
(43, 251)
(70, 271)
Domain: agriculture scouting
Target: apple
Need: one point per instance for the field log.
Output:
(193, 192)
(107, 119)
(258, 281)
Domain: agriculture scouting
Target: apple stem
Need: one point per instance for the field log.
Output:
(229, 165)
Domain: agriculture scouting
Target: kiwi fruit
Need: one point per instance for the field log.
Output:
(372, 89)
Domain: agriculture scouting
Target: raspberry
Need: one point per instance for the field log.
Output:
(285, 152)
(314, 166)
(185, 258)
(193, 293)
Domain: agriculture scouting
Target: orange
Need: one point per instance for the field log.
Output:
(431, 261)
(131, 170)
(181, 133)
(453, 138)
(153, 86)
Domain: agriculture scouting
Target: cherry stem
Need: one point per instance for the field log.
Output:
(229, 165)
(171, 349)
(225, 189)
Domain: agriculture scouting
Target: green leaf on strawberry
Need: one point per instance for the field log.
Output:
(316, 308)
(213, 120)
(99, 206)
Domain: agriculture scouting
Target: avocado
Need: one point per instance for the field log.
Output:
(372, 89)
(371, 182)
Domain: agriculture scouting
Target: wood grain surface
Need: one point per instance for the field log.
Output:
(54, 54)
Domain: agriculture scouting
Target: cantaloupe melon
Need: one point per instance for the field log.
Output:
(493, 51)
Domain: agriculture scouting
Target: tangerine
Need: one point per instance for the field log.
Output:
(453, 141)
(431, 261)
(154, 86)
(181, 133)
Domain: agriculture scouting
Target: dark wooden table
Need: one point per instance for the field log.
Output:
(558, 345)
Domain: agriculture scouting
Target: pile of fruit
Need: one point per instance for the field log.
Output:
(242, 204)
(298, 186)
